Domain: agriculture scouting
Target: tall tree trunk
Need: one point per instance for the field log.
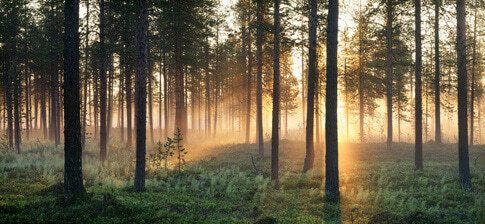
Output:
(141, 94)
(73, 176)
(54, 100)
(217, 83)
(418, 153)
(109, 116)
(361, 83)
(472, 95)
(259, 85)
(27, 104)
(43, 110)
(276, 96)
(17, 108)
(312, 78)
(347, 101)
(150, 92)
(36, 100)
(180, 114)
(86, 78)
(128, 92)
(389, 11)
(9, 100)
(207, 92)
(162, 70)
(165, 95)
(249, 69)
(463, 160)
(103, 83)
(437, 72)
(317, 113)
(331, 132)
(122, 95)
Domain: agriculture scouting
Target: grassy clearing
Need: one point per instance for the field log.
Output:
(220, 185)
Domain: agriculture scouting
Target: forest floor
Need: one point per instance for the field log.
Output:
(219, 184)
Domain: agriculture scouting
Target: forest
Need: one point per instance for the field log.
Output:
(242, 111)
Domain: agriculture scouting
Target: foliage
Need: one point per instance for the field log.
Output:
(376, 186)
(163, 151)
(171, 147)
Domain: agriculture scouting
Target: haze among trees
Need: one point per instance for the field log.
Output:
(242, 111)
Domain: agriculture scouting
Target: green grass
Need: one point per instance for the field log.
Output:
(220, 185)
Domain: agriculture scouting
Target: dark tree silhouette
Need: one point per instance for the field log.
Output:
(312, 81)
(463, 160)
(418, 156)
(73, 176)
(259, 78)
(103, 82)
(141, 94)
(437, 100)
(389, 17)
(331, 132)
(276, 95)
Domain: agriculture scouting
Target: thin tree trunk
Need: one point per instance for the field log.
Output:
(86, 78)
(312, 78)
(249, 77)
(150, 92)
(27, 105)
(418, 153)
(472, 100)
(259, 85)
(389, 9)
(17, 107)
(103, 84)
(162, 70)
(437, 73)
(43, 110)
(128, 92)
(207, 92)
(276, 96)
(165, 95)
(9, 101)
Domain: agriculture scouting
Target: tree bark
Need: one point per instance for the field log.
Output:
(418, 153)
(141, 95)
(207, 92)
(437, 101)
(73, 176)
(150, 92)
(86, 78)
(331, 132)
(389, 11)
(312, 77)
(17, 108)
(180, 108)
(165, 95)
(463, 160)
(276, 96)
(249, 74)
(259, 84)
(472, 95)
(9, 103)
(103, 84)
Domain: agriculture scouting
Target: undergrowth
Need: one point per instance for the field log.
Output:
(224, 186)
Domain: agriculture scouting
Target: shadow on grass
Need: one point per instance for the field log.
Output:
(331, 210)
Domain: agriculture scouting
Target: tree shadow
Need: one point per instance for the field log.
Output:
(331, 209)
